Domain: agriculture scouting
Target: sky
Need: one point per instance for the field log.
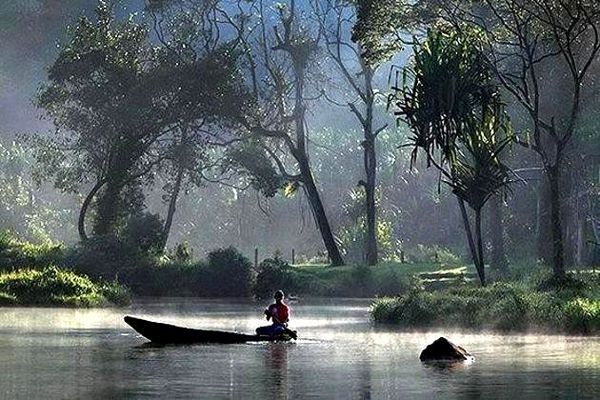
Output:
(30, 35)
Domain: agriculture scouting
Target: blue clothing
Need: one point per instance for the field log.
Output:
(270, 330)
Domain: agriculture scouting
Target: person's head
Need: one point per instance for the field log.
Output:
(278, 296)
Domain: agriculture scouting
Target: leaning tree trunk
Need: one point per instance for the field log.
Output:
(109, 207)
(172, 206)
(84, 208)
(498, 259)
(479, 238)
(475, 255)
(300, 153)
(320, 216)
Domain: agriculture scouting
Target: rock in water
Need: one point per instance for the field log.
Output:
(444, 350)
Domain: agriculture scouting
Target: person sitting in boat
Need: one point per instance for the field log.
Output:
(279, 314)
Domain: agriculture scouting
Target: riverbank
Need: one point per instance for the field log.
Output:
(384, 279)
(56, 287)
(530, 304)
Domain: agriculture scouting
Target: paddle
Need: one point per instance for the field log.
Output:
(290, 332)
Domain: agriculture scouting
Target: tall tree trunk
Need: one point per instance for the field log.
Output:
(370, 169)
(172, 206)
(320, 216)
(300, 153)
(370, 163)
(84, 208)
(498, 259)
(477, 260)
(553, 174)
(481, 263)
(543, 231)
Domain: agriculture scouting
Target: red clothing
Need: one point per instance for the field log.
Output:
(281, 312)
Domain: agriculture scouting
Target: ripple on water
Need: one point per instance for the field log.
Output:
(65, 353)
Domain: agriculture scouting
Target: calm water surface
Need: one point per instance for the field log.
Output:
(71, 354)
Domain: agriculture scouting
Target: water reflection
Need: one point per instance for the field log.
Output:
(61, 353)
(447, 366)
(276, 361)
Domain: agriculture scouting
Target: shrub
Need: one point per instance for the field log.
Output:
(389, 282)
(105, 258)
(568, 283)
(582, 315)
(182, 253)
(7, 299)
(501, 306)
(425, 254)
(116, 293)
(145, 233)
(273, 274)
(167, 279)
(228, 274)
(15, 254)
(53, 286)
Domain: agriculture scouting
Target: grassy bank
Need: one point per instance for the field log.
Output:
(386, 279)
(222, 273)
(52, 286)
(569, 306)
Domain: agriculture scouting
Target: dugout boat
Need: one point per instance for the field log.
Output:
(161, 333)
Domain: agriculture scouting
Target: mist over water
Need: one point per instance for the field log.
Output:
(62, 353)
(168, 194)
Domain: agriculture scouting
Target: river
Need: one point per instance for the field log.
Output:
(53, 353)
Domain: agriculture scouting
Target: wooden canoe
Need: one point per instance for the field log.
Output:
(160, 333)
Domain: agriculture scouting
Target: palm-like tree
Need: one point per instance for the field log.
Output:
(453, 107)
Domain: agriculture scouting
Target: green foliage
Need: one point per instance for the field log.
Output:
(583, 315)
(455, 113)
(144, 232)
(15, 253)
(438, 254)
(457, 119)
(53, 286)
(229, 273)
(182, 253)
(168, 279)
(253, 161)
(7, 299)
(113, 95)
(105, 258)
(378, 22)
(347, 281)
(352, 236)
(26, 208)
(273, 274)
(116, 293)
(501, 306)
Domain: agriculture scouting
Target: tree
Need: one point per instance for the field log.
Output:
(95, 99)
(458, 120)
(336, 18)
(276, 62)
(527, 42)
(525, 39)
(124, 108)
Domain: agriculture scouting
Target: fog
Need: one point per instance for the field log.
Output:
(414, 208)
